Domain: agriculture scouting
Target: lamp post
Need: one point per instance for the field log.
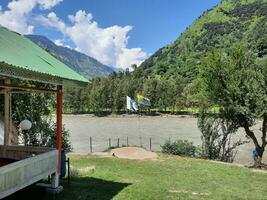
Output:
(24, 126)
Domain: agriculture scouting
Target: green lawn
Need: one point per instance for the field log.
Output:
(166, 178)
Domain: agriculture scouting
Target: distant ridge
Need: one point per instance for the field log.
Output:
(81, 63)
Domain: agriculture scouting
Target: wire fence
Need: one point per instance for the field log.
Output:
(150, 143)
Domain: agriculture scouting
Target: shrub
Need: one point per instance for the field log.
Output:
(181, 148)
(44, 133)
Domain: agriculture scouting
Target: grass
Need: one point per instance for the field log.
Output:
(168, 177)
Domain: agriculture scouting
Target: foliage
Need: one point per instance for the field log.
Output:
(75, 99)
(217, 137)
(248, 11)
(49, 138)
(109, 94)
(226, 24)
(238, 85)
(37, 108)
(180, 148)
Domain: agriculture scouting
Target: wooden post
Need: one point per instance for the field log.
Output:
(127, 141)
(109, 143)
(118, 142)
(68, 160)
(150, 143)
(91, 147)
(59, 125)
(7, 115)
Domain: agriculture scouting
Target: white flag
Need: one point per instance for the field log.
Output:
(131, 104)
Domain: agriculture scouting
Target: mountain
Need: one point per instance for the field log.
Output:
(230, 22)
(81, 63)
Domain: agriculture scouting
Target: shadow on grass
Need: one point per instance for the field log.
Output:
(80, 188)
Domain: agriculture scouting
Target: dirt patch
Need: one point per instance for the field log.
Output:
(133, 153)
(264, 171)
(86, 170)
(102, 154)
(190, 192)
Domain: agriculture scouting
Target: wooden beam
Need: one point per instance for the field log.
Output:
(27, 88)
(27, 92)
(6, 114)
(59, 125)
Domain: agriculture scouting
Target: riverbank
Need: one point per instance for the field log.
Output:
(134, 115)
(139, 131)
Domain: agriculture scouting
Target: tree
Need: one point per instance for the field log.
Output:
(162, 101)
(95, 101)
(150, 90)
(134, 67)
(217, 132)
(75, 100)
(237, 83)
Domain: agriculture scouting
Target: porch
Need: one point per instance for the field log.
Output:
(20, 59)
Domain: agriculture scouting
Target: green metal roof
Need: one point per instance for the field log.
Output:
(21, 58)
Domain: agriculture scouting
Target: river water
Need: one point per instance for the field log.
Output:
(139, 130)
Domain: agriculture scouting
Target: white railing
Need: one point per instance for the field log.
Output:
(39, 163)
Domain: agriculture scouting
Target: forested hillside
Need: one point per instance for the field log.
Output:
(167, 77)
(228, 23)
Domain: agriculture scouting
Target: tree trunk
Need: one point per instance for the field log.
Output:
(260, 149)
(258, 162)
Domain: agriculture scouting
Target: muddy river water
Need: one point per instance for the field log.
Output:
(139, 130)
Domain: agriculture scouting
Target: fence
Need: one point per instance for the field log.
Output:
(149, 143)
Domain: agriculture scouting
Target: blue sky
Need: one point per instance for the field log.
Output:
(130, 30)
(155, 22)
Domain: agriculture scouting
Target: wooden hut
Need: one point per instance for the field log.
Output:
(21, 59)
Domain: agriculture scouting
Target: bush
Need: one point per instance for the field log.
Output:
(44, 133)
(181, 148)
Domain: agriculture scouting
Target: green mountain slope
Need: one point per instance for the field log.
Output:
(168, 77)
(230, 22)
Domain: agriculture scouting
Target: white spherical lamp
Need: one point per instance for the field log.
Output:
(25, 125)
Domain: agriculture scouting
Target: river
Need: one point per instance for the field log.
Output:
(139, 130)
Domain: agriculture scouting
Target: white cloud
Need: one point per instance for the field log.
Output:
(60, 42)
(132, 56)
(17, 17)
(108, 45)
(48, 4)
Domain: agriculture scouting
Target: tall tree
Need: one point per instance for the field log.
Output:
(237, 83)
